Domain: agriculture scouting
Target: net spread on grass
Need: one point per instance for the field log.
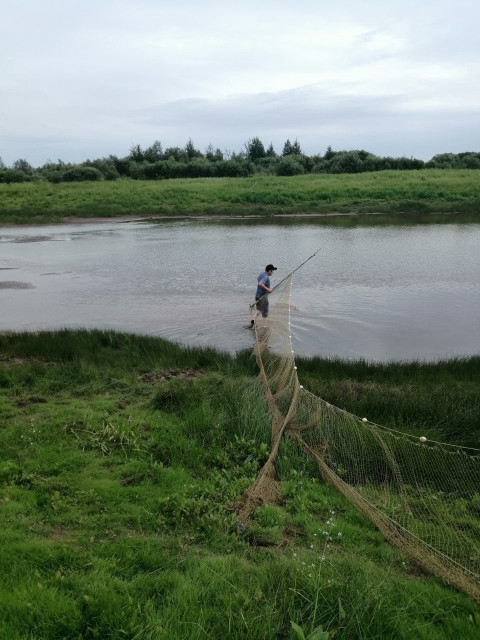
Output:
(423, 496)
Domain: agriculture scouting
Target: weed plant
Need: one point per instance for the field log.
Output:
(120, 458)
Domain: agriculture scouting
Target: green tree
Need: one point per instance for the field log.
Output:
(470, 161)
(255, 149)
(136, 154)
(213, 155)
(296, 149)
(287, 148)
(291, 149)
(122, 165)
(23, 165)
(270, 153)
(191, 151)
(175, 153)
(154, 152)
(329, 154)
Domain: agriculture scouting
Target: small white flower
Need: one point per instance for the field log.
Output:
(323, 558)
(294, 555)
(311, 546)
(303, 563)
(309, 575)
(339, 534)
(333, 513)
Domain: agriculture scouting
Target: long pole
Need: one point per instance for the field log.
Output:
(286, 277)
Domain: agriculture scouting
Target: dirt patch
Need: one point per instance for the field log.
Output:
(291, 532)
(15, 284)
(13, 361)
(123, 404)
(62, 534)
(169, 374)
(24, 402)
(134, 479)
(260, 541)
(415, 570)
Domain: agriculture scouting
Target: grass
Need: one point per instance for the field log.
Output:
(438, 400)
(119, 458)
(393, 192)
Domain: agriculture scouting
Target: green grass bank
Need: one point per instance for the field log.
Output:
(393, 192)
(119, 458)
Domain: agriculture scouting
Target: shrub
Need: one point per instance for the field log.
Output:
(289, 166)
(10, 176)
(78, 173)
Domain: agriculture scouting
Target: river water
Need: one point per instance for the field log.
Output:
(381, 292)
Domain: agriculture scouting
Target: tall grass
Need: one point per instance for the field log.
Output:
(438, 400)
(394, 192)
(120, 457)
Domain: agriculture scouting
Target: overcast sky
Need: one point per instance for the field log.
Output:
(85, 78)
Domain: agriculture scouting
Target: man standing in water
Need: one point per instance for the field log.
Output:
(263, 287)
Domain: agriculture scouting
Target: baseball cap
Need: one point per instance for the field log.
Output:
(270, 267)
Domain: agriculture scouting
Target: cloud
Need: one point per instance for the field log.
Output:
(318, 118)
(85, 79)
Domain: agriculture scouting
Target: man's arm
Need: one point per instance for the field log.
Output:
(262, 286)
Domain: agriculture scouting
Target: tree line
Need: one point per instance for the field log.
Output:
(157, 163)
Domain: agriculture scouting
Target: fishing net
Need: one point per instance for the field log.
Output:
(423, 496)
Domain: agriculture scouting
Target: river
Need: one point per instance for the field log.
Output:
(381, 292)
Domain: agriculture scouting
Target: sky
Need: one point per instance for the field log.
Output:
(84, 79)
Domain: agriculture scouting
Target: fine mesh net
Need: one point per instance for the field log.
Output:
(423, 496)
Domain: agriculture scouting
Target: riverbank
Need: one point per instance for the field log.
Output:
(386, 192)
(120, 456)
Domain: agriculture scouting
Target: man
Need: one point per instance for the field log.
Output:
(263, 287)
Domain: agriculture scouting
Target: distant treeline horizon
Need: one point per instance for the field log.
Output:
(156, 163)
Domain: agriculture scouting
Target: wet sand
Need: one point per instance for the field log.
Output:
(69, 220)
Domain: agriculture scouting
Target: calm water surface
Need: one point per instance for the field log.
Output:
(381, 293)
